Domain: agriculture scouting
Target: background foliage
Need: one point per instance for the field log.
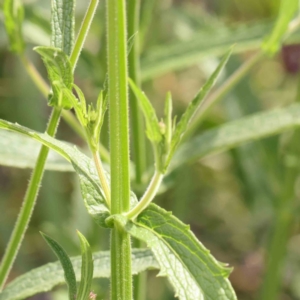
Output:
(233, 200)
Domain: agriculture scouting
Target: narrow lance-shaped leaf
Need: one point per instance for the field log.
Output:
(193, 106)
(87, 268)
(44, 278)
(238, 132)
(66, 265)
(13, 19)
(191, 269)
(286, 13)
(63, 23)
(152, 124)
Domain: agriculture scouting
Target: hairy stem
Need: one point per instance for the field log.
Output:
(28, 204)
(147, 197)
(121, 281)
(37, 175)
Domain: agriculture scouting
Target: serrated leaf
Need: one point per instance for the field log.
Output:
(238, 132)
(286, 12)
(191, 269)
(14, 15)
(152, 124)
(182, 125)
(44, 278)
(66, 265)
(87, 269)
(60, 74)
(63, 24)
(21, 152)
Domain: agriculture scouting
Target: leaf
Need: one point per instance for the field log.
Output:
(286, 12)
(21, 152)
(90, 186)
(209, 43)
(182, 125)
(87, 269)
(191, 269)
(14, 15)
(60, 74)
(63, 23)
(66, 265)
(89, 181)
(44, 278)
(153, 129)
(235, 133)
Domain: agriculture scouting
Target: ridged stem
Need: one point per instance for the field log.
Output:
(121, 278)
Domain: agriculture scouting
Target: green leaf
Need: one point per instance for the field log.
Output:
(63, 24)
(287, 11)
(87, 269)
(191, 269)
(206, 43)
(238, 132)
(60, 74)
(14, 15)
(21, 152)
(193, 106)
(44, 278)
(89, 182)
(85, 168)
(152, 124)
(66, 265)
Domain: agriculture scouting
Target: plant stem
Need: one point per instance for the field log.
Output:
(28, 204)
(147, 197)
(138, 131)
(34, 184)
(224, 89)
(84, 29)
(137, 125)
(101, 174)
(121, 278)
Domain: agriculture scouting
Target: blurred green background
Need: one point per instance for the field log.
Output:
(232, 200)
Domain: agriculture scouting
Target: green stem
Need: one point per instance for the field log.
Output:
(138, 131)
(137, 125)
(121, 281)
(223, 90)
(84, 29)
(147, 197)
(28, 203)
(101, 174)
(34, 184)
